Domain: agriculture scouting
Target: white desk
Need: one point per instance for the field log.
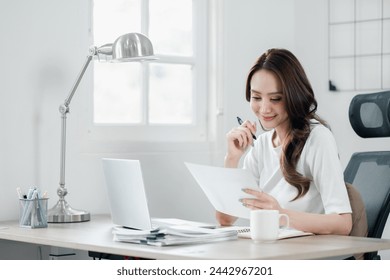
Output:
(96, 236)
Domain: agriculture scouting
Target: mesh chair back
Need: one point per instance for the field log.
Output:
(369, 172)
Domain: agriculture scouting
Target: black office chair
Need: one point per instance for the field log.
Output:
(369, 172)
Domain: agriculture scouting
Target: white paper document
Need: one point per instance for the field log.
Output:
(223, 187)
(174, 235)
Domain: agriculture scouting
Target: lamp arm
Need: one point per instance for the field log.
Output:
(64, 110)
(92, 52)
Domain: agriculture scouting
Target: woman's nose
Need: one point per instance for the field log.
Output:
(265, 107)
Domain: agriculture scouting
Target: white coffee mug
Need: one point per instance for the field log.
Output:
(265, 224)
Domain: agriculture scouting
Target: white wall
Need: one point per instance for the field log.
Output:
(35, 82)
(37, 70)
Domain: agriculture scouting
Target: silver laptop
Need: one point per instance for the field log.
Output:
(126, 193)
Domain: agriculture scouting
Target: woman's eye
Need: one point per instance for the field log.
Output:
(276, 99)
(256, 98)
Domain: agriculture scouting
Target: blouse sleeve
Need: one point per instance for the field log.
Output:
(324, 166)
(252, 160)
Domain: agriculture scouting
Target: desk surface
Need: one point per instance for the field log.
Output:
(95, 235)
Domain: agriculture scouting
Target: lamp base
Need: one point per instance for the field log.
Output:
(63, 213)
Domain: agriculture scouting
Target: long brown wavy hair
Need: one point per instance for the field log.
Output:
(301, 107)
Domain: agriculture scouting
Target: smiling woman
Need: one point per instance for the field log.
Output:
(298, 151)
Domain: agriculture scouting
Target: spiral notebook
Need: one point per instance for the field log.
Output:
(245, 232)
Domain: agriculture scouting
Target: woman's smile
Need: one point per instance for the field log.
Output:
(267, 118)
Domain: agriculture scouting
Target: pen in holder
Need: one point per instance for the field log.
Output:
(33, 212)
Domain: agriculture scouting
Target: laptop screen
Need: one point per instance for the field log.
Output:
(126, 193)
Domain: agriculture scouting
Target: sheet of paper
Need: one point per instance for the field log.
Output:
(180, 222)
(223, 187)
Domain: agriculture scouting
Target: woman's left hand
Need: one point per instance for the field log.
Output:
(261, 200)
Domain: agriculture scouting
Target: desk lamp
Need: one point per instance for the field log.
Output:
(128, 47)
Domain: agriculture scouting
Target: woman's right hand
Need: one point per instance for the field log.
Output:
(239, 139)
(225, 219)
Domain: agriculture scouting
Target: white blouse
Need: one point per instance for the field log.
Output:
(319, 162)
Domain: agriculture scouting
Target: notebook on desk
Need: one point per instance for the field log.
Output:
(245, 232)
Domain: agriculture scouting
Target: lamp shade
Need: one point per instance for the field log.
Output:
(132, 47)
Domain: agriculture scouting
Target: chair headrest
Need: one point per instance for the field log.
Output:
(369, 114)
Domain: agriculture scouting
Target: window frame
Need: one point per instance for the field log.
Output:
(145, 132)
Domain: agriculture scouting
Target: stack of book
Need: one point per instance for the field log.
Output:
(174, 235)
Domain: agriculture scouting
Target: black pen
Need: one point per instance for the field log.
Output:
(240, 122)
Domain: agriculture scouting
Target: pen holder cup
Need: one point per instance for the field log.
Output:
(33, 213)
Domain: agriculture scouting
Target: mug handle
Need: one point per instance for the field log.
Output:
(286, 218)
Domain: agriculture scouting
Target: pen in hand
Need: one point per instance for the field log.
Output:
(240, 122)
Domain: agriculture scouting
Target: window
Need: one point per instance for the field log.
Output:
(162, 100)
